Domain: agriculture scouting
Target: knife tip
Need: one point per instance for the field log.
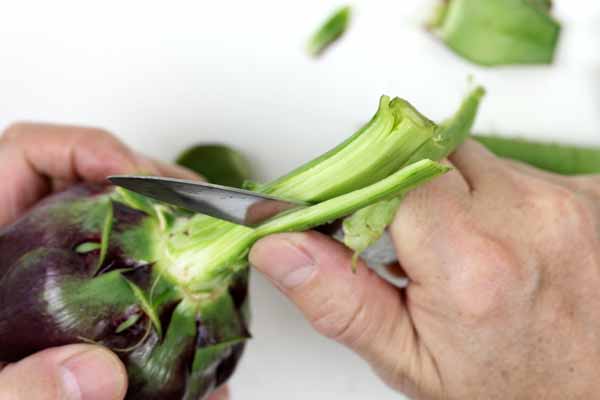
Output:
(116, 179)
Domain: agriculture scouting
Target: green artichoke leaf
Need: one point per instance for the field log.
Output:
(135, 201)
(147, 306)
(217, 163)
(559, 158)
(365, 227)
(88, 247)
(105, 238)
(330, 31)
(207, 362)
(128, 323)
(78, 304)
(223, 330)
(498, 32)
(164, 368)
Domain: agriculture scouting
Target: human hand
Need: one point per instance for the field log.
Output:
(504, 299)
(35, 160)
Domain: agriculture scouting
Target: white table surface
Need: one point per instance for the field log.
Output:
(165, 75)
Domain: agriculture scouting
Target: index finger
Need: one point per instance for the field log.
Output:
(33, 156)
(428, 218)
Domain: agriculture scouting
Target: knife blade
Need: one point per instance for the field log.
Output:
(231, 204)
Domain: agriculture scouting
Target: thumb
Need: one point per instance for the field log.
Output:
(360, 309)
(75, 372)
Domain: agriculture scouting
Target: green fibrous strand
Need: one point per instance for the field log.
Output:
(128, 323)
(498, 32)
(330, 31)
(554, 157)
(104, 240)
(366, 226)
(383, 160)
(145, 303)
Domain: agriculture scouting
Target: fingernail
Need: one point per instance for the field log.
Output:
(285, 263)
(93, 375)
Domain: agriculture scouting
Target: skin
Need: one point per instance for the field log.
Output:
(36, 160)
(503, 301)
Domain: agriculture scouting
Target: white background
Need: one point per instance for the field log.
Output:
(165, 75)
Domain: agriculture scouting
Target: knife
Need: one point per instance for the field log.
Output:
(247, 208)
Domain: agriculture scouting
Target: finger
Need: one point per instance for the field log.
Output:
(76, 372)
(265, 209)
(34, 155)
(588, 184)
(69, 152)
(476, 163)
(489, 176)
(424, 221)
(498, 182)
(221, 393)
(174, 171)
(538, 173)
(358, 309)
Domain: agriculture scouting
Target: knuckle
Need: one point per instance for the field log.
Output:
(102, 140)
(13, 132)
(589, 184)
(341, 319)
(416, 371)
(339, 323)
(354, 320)
(98, 134)
(482, 284)
(566, 211)
(564, 200)
(514, 178)
(397, 376)
(575, 209)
